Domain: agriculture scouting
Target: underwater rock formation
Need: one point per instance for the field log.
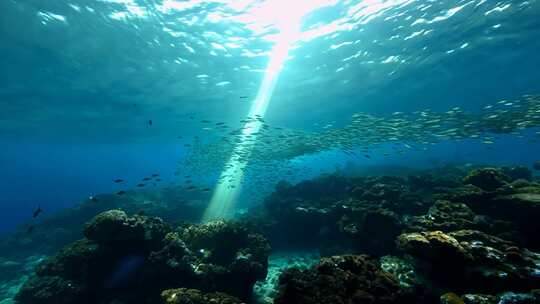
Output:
(488, 179)
(194, 296)
(115, 228)
(366, 218)
(453, 236)
(403, 270)
(363, 223)
(517, 202)
(55, 231)
(448, 216)
(532, 297)
(132, 259)
(217, 256)
(340, 280)
(473, 261)
(517, 172)
(445, 216)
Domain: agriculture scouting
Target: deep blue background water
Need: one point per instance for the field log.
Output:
(58, 176)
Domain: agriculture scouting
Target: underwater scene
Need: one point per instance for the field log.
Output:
(270, 151)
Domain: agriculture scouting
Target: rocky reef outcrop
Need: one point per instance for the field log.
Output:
(195, 296)
(57, 230)
(341, 280)
(452, 235)
(488, 179)
(133, 259)
(460, 231)
(473, 261)
(532, 297)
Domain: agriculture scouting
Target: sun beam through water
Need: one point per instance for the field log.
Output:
(227, 191)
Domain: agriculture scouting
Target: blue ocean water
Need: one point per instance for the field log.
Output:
(80, 82)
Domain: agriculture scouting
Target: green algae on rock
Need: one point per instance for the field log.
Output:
(470, 260)
(194, 296)
(133, 259)
(339, 279)
(115, 226)
(451, 298)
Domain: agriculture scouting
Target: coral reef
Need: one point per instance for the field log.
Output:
(194, 296)
(532, 297)
(365, 218)
(473, 261)
(446, 221)
(517, 172)
(57, 230)
(265, 291)
(339, 280)
(115, 228)
(488, 179)
(132, 259)
(453, 235)
(402, 270)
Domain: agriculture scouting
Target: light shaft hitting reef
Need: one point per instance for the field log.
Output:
(225, 194)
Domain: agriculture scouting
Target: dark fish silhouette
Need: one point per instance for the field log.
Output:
(121, 192)
(93, 198)
(158, 179)
(119, 180)
(30, 229)
(146, 179)
(141, 185)
(150, 122)
(37, 212)
(367, 156)
(155, 175)
(243, 97)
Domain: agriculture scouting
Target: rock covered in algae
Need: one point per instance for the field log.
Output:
(517, 173)
(488, 179)
(451, 298)
(470, 260)
(403, 270)
(447, 216)
(532, 297)
(518, 204)
(115, 226)
(232, 259)
(371, 227)
(194, 296)
(444, 215)
(340, 280)
(51, 289)
(433, 246)
(123, 254)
